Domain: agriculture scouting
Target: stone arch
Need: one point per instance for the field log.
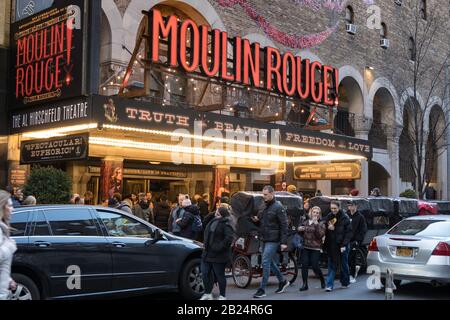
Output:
(434, 102)
(385, 84)
(351, 101)
(307, 54)
(409, 93)
(131, 21)
(379, 176)
(115, 24)
(261, 39)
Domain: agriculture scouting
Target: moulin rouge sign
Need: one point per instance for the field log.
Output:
(47, 51)
(193, 47)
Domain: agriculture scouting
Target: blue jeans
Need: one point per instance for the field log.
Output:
(269, 262)
(345, 273)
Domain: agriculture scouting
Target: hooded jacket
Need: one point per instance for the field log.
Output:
(359, 227)
(161, 214)
(143, 211)
(7, 249)
(342, 233)
(187, 220)
(218, 237)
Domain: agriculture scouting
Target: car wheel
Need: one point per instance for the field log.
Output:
(191, 282)
(26, 288)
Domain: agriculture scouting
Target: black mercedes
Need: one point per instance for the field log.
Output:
(68, 252)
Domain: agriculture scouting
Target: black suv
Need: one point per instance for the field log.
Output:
(84, 251)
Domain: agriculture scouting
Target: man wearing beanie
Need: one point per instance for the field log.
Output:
(185, 223)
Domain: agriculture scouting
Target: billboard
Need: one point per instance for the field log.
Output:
(47, 55)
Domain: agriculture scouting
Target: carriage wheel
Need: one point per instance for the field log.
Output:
(359, 258)
(242, 271)
(290, 268)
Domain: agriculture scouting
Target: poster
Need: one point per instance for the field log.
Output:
(47, 54)
(111, 178)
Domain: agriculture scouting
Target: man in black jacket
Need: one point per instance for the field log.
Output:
(337, 243)
(273, 234)
(359, 229)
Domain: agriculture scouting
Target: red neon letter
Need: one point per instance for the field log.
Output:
(251, 63)
(192, 65)
(328, 81)
(273, 71)
(316, 88)
(224, 59)
(303, 78)
(169, 30)
(289, 65)
(215, 52)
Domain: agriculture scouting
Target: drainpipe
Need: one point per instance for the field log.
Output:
(447, 98)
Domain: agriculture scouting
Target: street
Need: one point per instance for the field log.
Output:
(357, 291)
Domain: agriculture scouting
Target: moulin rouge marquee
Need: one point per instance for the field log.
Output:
(194, 47)
(47, 51)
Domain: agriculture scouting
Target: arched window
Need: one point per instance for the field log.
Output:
(423, 9)
(349, 15)
(412, 49)
(383, 31)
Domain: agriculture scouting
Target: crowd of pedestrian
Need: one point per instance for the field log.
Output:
(190, 217)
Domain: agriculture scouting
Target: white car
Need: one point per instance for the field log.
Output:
(416, 249)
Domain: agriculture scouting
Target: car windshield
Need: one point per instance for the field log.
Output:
(426, 228)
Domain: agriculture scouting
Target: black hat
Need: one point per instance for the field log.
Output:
(351, 202)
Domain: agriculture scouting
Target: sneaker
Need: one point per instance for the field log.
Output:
(352, 280)
(328, 289)
(282, 286)
(344, 287)
(207, 297)
(222, 298)
(260, 294)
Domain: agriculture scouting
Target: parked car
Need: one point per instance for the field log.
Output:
(110, 251)
(416, 249)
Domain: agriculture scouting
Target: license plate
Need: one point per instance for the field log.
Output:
(405, 252)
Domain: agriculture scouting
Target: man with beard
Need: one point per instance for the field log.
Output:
(142, 209)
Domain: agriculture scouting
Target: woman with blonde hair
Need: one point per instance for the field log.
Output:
(7, 246)
(313, 230)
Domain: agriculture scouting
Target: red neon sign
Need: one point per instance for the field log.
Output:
(192, 47)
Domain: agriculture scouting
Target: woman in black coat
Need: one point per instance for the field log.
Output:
(218, 238)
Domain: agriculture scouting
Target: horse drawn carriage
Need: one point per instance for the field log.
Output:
(247, 258)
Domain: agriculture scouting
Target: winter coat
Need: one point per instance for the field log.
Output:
(7, 249)
(313, 235)
(208, 218)
(218, 237)
(161, 214)
(142, 210)
(176, 213)
(125, 207)
(342, 233)
(273, 222)
(203, 206)
(359, 227)
(187, 220)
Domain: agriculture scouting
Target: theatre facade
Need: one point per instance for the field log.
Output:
(131, 98)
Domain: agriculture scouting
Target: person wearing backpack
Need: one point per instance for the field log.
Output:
(218, 237)
(190, 224)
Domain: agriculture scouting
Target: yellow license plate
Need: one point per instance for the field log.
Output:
(404, 252)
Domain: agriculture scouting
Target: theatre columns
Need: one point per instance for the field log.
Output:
(393, 150)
